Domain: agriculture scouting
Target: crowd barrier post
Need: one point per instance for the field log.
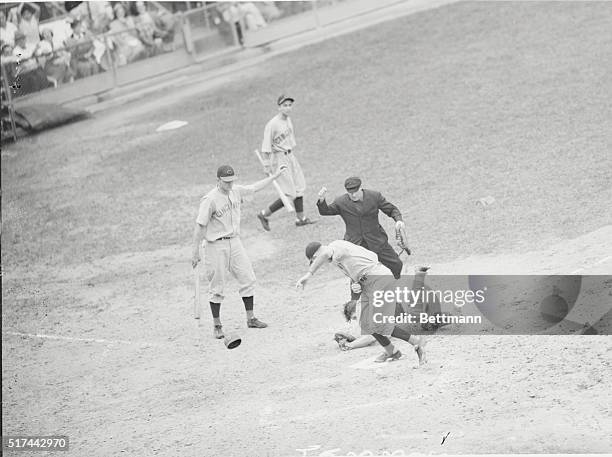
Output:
(9, 102)
(315, 11)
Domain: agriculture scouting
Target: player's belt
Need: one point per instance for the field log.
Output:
(288, 151)
(364, 276)
(224, 238)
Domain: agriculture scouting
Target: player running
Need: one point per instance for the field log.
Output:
(277, 149)
(218, 223)
(368, 275)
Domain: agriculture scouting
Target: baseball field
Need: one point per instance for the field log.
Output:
(436, 110)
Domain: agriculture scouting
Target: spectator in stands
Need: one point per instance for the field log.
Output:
(147, 30)
(27, 72)
(128, 46)
(269, 10)
(29, 13)
(81, 46)
(231, 15)
(7, 30)
(55, 63)
(9, 62)
(252, 17)
(166, 26)
(102, 15)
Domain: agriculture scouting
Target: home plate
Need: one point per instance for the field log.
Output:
(370, 364)
(172, 125)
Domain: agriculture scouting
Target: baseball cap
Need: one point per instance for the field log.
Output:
(226, 173)
(283, 98)
(311, 249)
(352, 184)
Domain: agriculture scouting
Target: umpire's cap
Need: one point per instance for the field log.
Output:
(311, 249)
(352, 184)
(226, 173)
(283, 98)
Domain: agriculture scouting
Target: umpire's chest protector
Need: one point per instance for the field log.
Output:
(361, 219)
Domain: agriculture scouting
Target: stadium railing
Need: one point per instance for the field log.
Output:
(198, 34)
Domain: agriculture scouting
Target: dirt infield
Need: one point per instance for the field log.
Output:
(436, 110)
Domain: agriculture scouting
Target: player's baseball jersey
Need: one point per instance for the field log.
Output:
(279, 136)
(353, 260)
(219, 213)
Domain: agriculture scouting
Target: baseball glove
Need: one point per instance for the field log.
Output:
(402, 239)
(342, 339)
(348, 309)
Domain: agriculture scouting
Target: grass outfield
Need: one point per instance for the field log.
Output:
(436, 110)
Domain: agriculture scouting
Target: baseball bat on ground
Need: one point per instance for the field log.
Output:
(196, 303)
(288, 205)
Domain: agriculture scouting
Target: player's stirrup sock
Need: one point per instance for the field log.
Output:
(402, 335)
(215, 308)
(299, 204)
(248, 305)
(382, 340)
(275, 206)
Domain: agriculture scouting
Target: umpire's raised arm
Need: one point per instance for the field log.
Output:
(323, 207)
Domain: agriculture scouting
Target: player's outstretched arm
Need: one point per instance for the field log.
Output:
(324, 255)
(361, 342)
(259, 185)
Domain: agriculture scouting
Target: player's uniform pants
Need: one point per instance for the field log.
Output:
(388, 257)
(291, 182)
(380, 279)
(223, 257)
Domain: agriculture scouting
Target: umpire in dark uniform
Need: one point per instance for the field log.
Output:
(359, 209)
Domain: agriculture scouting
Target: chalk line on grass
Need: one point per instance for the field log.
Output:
(75, 339)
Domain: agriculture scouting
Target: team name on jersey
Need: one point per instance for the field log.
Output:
(282, 136)
(219, 213)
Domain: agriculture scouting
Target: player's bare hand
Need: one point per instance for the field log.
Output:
(356, 287)
(280, 171)
(302, 281)
(322, 193)
(195, 259)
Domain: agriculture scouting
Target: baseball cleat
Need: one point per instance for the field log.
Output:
(422, 269)
(256, 323)
(386, 357)
(305, 221)
(265, 223)
(218, 332)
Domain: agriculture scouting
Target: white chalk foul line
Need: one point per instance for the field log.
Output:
(75, 339)
(575, 272)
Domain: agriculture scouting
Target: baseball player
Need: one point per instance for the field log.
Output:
(218, 223)
(368, 275)
(277, 149)
(346, 339)
(359, 209)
